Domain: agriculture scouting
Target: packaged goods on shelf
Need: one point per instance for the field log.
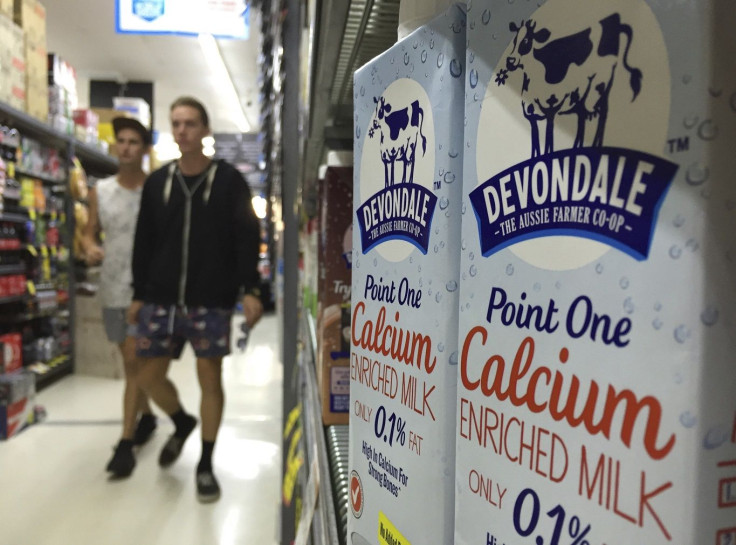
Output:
(12, 64)
(7, 8)
(408, 144)
(17, 394)
(31, 16)
(335, 242)
(11, 352)
(86, 122)
(596, 398)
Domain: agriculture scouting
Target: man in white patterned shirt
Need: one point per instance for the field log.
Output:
(113, 209)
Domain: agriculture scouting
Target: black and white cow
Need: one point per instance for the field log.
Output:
(399, 131)
(572, 74)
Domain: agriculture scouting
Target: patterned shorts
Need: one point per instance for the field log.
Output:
(163, 331)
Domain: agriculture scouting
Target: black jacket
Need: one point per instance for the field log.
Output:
(219, 260)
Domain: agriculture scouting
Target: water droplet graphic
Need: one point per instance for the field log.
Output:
(441, 347)
(440, 60)
(509, 269)
(715, 437)
(357, 263)
(436, 248)
(629, 305)
(708, 130)
(451, 286)
(438, 297)
(679, 221)
(678, 378)
(709, 316)
(692, 245)
(442, 243)
(688, 419)
(657, 324)
(624, 282)
(449, 177)
(453, 153)
(453, 358)
(697, 174)
(375, 262)
(463, 245)
(473, 78)
(407, 58)
(456, 68)
(429, 292)
(431, 44)
(715, 93)
(682, 333)
(471, 57)
(705, 193)
(471, 256)
(473, 270)
(463, 208)
(537, 286)
(690, 121)
(423, 56)
(675, 252)
(457, 27)
(599, 268)
(486, 16)
(441, 171)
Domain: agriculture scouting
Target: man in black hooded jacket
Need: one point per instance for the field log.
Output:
(196, 252)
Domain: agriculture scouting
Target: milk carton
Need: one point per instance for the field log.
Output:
(406, 234)
(597, 330)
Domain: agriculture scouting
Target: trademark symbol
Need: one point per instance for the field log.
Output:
(438, 184)
(678, 144)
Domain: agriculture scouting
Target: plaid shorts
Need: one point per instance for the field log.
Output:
(163, 331)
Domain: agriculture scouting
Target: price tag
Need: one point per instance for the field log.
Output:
(32, 214)
(32, 250)
(31, 287)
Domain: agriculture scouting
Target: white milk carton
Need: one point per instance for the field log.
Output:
(406, 236)
(597, 338)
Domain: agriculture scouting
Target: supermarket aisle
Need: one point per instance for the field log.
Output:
(54, 489)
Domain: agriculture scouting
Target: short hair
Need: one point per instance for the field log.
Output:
(192, 103)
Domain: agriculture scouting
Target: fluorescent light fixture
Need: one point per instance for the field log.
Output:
(214, 60)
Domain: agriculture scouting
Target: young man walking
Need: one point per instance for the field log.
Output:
(113, 208)
(195, 255)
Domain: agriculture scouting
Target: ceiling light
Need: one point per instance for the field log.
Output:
(260, 206)
(216, 63)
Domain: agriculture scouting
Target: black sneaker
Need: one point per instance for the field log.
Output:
(122, 463)
(208, 489)
(175, 443)
(144, 430)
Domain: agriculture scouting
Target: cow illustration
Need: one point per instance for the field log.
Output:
(553, 88)
(399, 131)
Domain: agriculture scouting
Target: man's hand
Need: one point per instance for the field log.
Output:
(93, 254)
(252, 309)
(133, 311)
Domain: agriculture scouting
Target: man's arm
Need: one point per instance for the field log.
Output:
(248, 241)
(93, 252)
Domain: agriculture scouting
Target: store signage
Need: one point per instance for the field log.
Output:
(221, 18)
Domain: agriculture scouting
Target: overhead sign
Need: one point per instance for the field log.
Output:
(221, 18)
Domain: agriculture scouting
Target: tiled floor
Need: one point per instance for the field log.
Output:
(54, 489)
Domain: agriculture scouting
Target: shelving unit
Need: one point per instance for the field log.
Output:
(21, 311)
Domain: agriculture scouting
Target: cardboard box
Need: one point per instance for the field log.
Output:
(11, 349)
(596, 392)
(408, 147)
(17, 394)
(333, 293)
(30, 15)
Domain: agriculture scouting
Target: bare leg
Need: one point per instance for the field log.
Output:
(152, 377)
(209, 372)
(135, 400)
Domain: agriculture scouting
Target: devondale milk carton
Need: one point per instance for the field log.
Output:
(406, 235)
(597, 338)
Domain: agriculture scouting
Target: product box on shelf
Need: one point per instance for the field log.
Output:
(31, 16)
(17, 394)
(596, 373)
(11, 352)
(334, 247)
(12, 64)
(408, 144)
(6, 8)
